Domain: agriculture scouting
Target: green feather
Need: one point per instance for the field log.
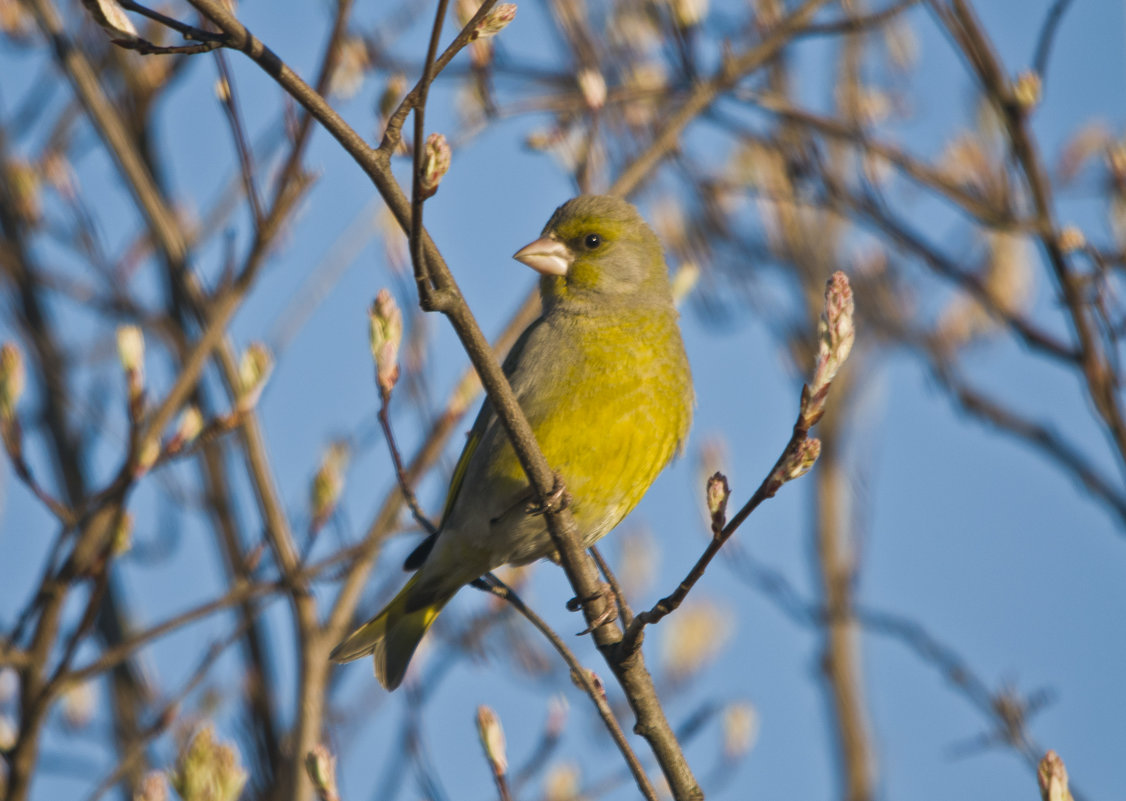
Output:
(604, 381)
(392, 636)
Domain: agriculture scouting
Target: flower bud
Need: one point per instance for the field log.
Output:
(684, 280)
(26, 189)
(1027, 90)
(800, 461)
(320, 764)
(593, 86)
(131, 352)
(495, 21)
(253, 370)
(385, 332)
(207, 770)
(595, 680)
(328, 484)
(78, 705)
(110, 15)
(223, 90)
(492, 739)
(1052, 776)
(562, 783)
(740, 729)
(694, 637)
(435, 163)
(188, 427)
(13, 377)
(837, 333)
(557, 710)
(148, 451)
(718, 492)
(689, 13)
(123, 535)
(392, 95)
(131, 348)
(9, 733)
(154, 787)
(1071, 239)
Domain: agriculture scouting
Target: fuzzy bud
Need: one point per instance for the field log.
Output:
(717, 494)
(684, 280)
(595, 680)
(222, 90)
(799, 462)
(320, 764)
(131, 352)
(154, 787)
(207, 770)
(188, 427)
(495, 21)
(492, 739)
(1071, 239)
(328, 484)
(435, 163)
(9, 733)
(131, 348)
(593, 86)
(78, 705)
(392, 94)
(837, 333)
(562, 783)
(123, 535)
(557, 710)
(13, 378)
(1028, 90)
(740, 729)
(1052, 776)
(385, 332)
(253, 370)
(694, 637)
(689, 13)
(25, 185)
(148, 451)
(112, 18)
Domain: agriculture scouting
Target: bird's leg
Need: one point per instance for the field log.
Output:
(556, 501)
(609, 608)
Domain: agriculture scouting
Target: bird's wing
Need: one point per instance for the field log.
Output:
(480, 425)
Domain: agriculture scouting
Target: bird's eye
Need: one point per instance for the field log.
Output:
(592, 241)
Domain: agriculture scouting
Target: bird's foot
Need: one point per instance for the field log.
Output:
(609, 607)
(556, 501)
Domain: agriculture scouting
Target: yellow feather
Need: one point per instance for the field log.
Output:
(392, 636)
(604, 381)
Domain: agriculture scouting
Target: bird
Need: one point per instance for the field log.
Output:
(604, 381)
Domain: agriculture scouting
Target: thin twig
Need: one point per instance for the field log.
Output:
(615, 586)
(1047, 37)
(397, 460)
(580, 675)
(229, 100)
(427, 283)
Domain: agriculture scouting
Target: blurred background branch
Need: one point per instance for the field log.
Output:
(171, 479)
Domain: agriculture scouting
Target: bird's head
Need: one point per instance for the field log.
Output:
(597, 246)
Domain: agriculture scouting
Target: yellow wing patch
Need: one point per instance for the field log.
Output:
(459, 471)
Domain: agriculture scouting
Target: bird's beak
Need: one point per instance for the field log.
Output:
(546, 255)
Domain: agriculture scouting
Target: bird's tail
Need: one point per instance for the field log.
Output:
(392, 636)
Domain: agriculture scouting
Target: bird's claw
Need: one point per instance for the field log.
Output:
(556, 501)
(609, 608)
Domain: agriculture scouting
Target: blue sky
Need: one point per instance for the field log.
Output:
(996, 552)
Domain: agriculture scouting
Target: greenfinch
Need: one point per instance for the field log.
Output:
(604, 382)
